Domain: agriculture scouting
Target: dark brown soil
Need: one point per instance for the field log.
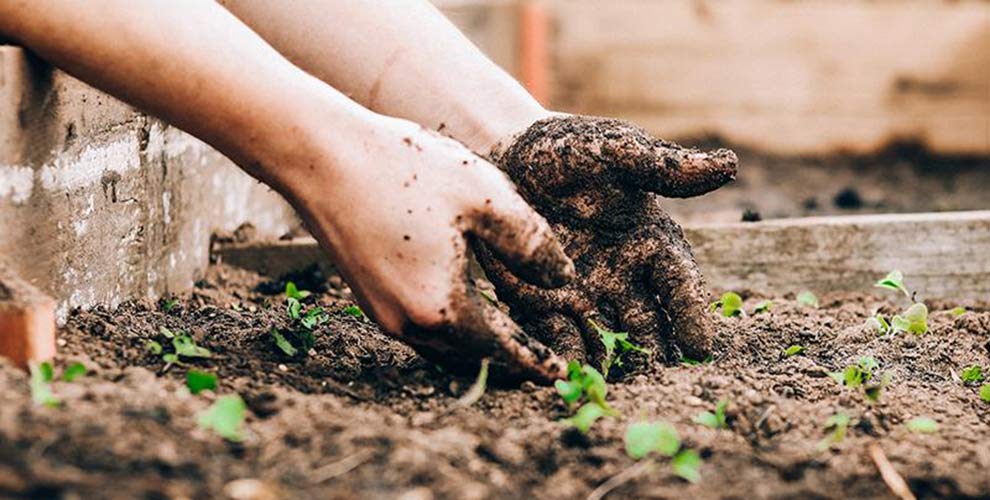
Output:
(362, 416)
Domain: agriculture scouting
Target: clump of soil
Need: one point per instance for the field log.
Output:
(363, 416)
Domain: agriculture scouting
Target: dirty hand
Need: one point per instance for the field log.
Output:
(397, 213)
(596, 181)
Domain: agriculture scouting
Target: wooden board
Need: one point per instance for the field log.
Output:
(942, 255)
(813, 76)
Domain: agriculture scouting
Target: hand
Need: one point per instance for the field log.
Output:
(396, 205)
(594, 179)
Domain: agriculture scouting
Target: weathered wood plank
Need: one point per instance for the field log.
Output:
(944, 255)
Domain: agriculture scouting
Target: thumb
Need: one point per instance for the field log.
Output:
(521, 238)
(678, 172)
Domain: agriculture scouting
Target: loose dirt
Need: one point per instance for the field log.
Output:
(363, 416)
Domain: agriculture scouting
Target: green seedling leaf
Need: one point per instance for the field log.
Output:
(730, 303)
(477, 389)
(763, 307)
(794, 350)
(282, 343)
(972, 374)
(839, 424)
(687, 465)
(42, 375)
(985, 393)
(914, 320)
(958, 311)
(643, 438)
(616, 344)
(153, 347)
(686, 361)
(714, 420)
(169, 305)
(878, 323)
(186, 347)
(166, 332)
(586, 416)
(292, 292)
(313, 318)
(807, 298)
(584, 382)
(225, 417)
(873, 391)
(74, 371)
(293, 308)
(170, 358)
(922, 425)
(894, 281)
(357, 312)
(198, 381)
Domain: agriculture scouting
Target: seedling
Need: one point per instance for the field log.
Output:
(807, 298)
(879, 323)
(584, 383)
(616, 344)
(356, 311)
(972, 374)
(714, 420)
(794, 350)
(922, 425)
(839, 424)
(863, 375)
(183, 346)
(154, 347)
(198, 381)
(586, 416)
(225, 417)
(74, 371)
(282, 343)
(644, 438)
(293, 292)
(730, 303)
(958, 311)
(985, 393)
(914, 320)
(477, 390)
(763, 307)
(686, 361)
(894, 281)
(169, 305)
(42, 375)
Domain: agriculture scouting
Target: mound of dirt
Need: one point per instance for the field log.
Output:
(362, 416)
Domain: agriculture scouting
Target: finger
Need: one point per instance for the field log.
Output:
(677, 172)
(480, 330)
(681, 290)
(560, 334)
(522, 239)
(640, 316)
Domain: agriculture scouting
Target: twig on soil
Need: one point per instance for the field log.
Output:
(619, 479)
(340, 467)
(890, 475)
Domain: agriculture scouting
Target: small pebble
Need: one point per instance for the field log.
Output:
(282, 368)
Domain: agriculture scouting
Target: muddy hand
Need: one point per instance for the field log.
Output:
(596, 180)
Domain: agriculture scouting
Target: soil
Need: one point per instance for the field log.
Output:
(363, 416)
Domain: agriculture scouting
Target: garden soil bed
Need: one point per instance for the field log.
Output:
(363, 416)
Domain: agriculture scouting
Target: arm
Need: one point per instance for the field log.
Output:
(398, 57)
(391, 202)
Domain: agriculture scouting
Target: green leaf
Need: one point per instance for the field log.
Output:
(839, 423)
(958, 311)
(873, 392)
(293, 307)
(170, 358)
(153, 347)
(169, 305)
(477, 389)
(687, 465)
(763, 307)
(586, 416)
(225, 417)
(731, 304)
(356, 311)
(868, 364)
(794, 350)
(878, 323)
(571, 392)
(40, 383)
(915, 320)
(74, 371)
(686, 361)
(922, 425)
(616, 344)
(714, 420)
(198, 381)
(166, 332)
(185, 346)
(893, 281)
(314, 317)
(985, 393)
(643, 438)
(284, 344)
(292, 292)
(972, 374)
(807, 298)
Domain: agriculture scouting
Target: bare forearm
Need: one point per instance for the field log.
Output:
(224, 84)
(398, 57)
